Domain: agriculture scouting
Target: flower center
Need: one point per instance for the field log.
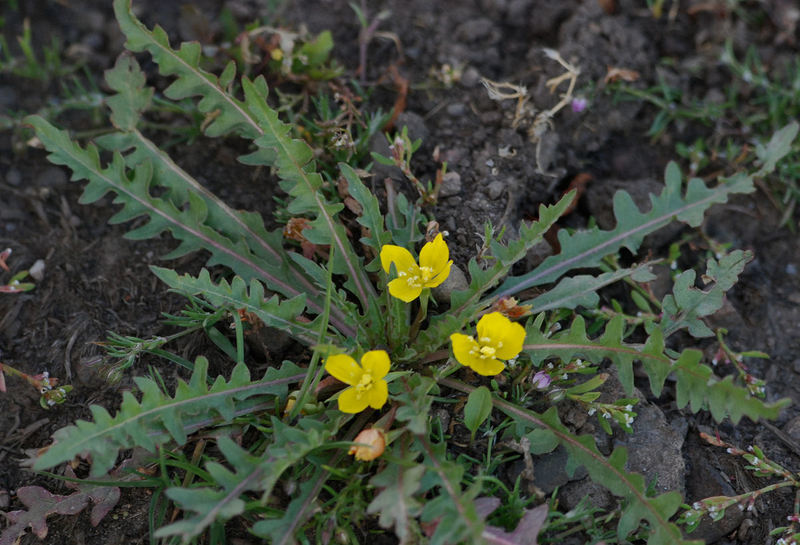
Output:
(487, 352)
(365, 383)
(415, 276)
(427, 273)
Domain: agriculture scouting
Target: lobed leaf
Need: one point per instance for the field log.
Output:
(586, 248)
(581, 290)
(371, 218)
(157, 418)
(395, 503)
(293, 160)
(695, 382)
(235, 295)
(686, 305)
(250, 474)
(255, 120)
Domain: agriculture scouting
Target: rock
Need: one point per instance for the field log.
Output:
(37, 270)
(547, 148)
(470, 77)
(51, 177)
(495, 189)
(456, 281)
(8, 97)
(573, 492)
(792, 427)
(538, 253)
(13, 177)
(654, 449)
(417, 128)
(549, 472)
(705, 480)
(456, 109)
(474, 30)
(451, 184)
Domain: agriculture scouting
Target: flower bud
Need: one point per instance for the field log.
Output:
(373, 443)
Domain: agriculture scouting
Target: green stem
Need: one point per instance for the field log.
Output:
(423, 312)
(312, 377)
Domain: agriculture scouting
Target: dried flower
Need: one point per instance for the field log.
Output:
(367, 387)
(433, 269)
(498, 339)
(373, 443)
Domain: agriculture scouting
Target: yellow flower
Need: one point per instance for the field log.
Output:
(433, 269)
(498, 339)
(373, 444)
(367, 387)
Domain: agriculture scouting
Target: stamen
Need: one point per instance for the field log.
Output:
(365, 383)
(487, 352)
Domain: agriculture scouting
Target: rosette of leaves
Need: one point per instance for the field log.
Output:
(420, 491)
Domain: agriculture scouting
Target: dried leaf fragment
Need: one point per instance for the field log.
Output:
(615, 73)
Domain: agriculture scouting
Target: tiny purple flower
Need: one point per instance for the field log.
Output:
(541, 380)
(579, 104)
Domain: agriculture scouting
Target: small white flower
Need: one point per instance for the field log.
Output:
(697, 506)
(629, 407)
(592, 411)
(606, 415)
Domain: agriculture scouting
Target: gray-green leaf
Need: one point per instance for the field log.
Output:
(477, 409)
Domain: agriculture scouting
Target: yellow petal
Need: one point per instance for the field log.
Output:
(441, 277)
(376, 363)
(378, 394)
(402, 258)
(491, 325)
(352, 401)
(488, 367)
(344, 368)
(399, 288)
(512, 337)
(465, 349)
(505, 336)
(435, 255)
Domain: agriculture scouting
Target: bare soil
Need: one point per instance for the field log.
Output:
(96, 281)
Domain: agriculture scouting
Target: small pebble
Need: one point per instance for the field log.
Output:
(14, 177)
(456, 109)
(51, 177)
(456, 281)
(37, 270)
(470, 78)
(495, 189)
(451, 184)
(791, 269)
